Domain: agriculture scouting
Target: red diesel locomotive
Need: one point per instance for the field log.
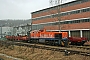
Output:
(42, 36)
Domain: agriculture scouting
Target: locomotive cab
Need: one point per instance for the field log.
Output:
(62, 39)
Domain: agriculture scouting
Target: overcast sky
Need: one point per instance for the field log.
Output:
(21, 9)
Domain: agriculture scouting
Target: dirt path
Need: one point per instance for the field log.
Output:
(6, 57)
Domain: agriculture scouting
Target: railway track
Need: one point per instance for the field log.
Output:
(69, 50)
(80, 47)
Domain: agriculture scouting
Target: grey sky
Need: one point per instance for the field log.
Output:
(21, 9)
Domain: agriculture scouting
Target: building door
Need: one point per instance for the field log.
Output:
(75, 33)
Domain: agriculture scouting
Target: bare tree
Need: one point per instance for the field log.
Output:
(56, 3)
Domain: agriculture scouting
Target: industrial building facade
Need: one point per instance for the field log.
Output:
(6, 31)
(22, 29)
(74, 18)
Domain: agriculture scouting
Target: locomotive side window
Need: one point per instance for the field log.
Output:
(58, 36)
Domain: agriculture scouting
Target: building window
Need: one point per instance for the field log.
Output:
(86, 20)
(78, 11)
(85, 10)
(63, 14)
(84, 1)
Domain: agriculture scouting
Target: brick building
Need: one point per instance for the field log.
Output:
(74, 18)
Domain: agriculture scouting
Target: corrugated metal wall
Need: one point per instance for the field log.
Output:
(75, 33)
(86, 33)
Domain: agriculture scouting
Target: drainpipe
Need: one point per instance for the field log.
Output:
(80, 33)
